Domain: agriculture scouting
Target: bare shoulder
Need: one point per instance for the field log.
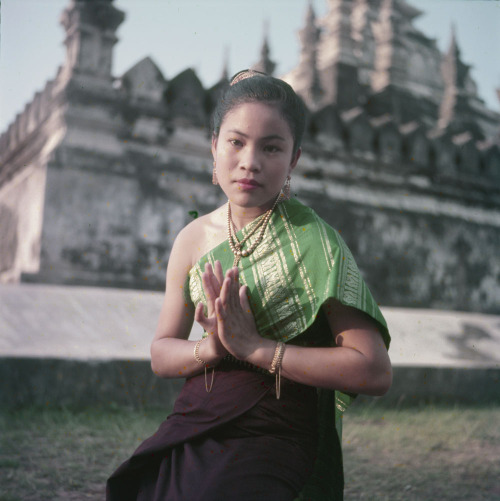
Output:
(201, 235)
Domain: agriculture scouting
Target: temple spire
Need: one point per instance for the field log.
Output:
(90, 37)
(265, 64)
(309, 38)
(390, 64)
(309, 34)
(225, 65)
(454, 70)
(336, 60)
(456, 108)
(336, 44)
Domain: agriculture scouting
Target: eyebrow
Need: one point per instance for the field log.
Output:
(265, 138)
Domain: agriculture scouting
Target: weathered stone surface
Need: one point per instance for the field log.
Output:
(359, 133)
(77, 383)
(144, 81)
(90, 346)
(186, 99)
(93, 323)
(59, 382)
(387, 142)
(20, 230)
(415, 147)
(98, 174)
(327, 128)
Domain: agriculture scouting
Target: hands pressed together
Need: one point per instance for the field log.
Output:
(359, 363)
(229, 321)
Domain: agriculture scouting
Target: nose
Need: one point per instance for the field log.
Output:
(250, 159)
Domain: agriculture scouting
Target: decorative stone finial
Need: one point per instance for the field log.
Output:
(90, 36)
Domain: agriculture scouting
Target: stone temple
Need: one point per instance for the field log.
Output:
(100, 172)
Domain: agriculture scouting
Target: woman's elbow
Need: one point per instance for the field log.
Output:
(381, 381)
(156, 365)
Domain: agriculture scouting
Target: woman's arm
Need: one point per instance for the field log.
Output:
(358, 364)
(172, 355)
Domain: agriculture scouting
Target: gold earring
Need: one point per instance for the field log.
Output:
(286, 189)
(214, 175)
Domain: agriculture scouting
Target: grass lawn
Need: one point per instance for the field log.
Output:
(422, 454)
(429, 453)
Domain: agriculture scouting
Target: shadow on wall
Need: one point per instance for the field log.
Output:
(465, 344)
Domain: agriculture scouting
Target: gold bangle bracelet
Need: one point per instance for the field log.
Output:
(196, 353)
(208, 387)
(278, 357)
(276, 366)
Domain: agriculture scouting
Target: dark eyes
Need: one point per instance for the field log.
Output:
(271, 148)
(268, 148)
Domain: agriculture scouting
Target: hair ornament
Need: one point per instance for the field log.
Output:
(244, 74)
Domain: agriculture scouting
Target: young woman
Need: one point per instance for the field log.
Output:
(291, 330)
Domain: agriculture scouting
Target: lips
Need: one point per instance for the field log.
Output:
(248, 182)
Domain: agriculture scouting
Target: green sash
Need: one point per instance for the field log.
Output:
(300, 264)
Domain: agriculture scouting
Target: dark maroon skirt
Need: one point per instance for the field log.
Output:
(236, 443)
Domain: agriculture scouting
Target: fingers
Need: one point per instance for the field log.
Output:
(198, 313)
(209, 324)
(219, 310)
(232, 297)
(230, 289)
(213, 278)
(234, 289)
(211, 286)
(244, 302)
(225, 292)
(219, 275)
(208, 286)
(225, 289)
(235, 324)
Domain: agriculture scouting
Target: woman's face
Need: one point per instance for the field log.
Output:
(253, 154)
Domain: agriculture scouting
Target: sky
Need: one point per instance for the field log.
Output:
(180, 34)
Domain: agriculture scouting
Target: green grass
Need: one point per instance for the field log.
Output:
(429, 453)
(67, 455)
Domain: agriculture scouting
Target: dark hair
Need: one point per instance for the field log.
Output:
(258, 87)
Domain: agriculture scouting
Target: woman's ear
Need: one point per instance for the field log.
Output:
(295, 159)
(214, 146)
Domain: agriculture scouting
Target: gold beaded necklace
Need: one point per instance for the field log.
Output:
(236, 246)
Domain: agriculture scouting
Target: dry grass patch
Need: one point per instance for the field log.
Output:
(433, 453)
